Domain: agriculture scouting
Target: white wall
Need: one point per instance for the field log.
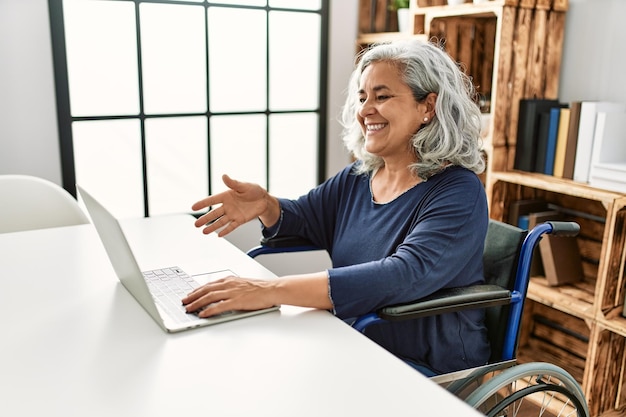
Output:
(594, 53)
(342, 41)
(29, 141)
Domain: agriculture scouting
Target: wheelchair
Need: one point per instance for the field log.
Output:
(502, 387)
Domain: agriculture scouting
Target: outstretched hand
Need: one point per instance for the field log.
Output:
(241, 203)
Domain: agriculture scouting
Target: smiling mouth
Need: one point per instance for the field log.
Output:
(375, 127)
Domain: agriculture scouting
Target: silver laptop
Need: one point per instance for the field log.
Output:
(159, 291)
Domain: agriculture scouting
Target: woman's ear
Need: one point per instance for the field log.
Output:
(430, 102)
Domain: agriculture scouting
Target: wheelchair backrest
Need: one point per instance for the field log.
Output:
(500, 257)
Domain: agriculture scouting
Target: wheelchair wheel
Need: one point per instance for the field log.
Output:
(535, 388)
(468, 383)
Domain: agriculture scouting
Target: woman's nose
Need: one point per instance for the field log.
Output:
(366, 109)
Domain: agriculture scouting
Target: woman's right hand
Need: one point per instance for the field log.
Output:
(241, 203)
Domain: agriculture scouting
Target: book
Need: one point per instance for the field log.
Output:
(572, 139)
(561, 142)
(520, 208)
(553, 130)
(586, 133)
(542, 141)
(608, 141)
(560, 256)
(527, 126)
(608, 156)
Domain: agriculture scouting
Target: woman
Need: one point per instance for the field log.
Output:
(408, 218)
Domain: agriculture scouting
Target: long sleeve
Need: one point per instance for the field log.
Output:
(428, 238)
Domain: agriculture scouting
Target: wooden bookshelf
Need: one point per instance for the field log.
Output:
(578, 326)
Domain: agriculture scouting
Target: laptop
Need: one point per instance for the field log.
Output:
(159, 291)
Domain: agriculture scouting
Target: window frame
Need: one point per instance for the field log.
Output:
(65, 118)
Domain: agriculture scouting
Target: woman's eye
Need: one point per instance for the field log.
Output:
(378, 98)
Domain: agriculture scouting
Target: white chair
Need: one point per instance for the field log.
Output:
(28, 203)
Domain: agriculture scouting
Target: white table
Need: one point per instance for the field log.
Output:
(75, 343)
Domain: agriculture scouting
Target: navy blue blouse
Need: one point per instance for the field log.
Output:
(428, 238)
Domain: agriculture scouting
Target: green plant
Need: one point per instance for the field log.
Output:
(398, 4)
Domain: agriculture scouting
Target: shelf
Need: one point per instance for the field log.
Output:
(486, 8)
(557, 185)
(614, 321)
(575, 299)
(469, 5)
(380, 37)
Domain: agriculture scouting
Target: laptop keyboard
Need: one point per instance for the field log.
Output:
(168, 286)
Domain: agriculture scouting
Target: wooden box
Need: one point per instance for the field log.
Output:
(579, 326)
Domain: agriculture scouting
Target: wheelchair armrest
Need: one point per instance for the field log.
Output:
(281, 244)
(285, 242)
(448, 300)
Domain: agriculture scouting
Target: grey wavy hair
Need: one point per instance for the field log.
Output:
(453, 135)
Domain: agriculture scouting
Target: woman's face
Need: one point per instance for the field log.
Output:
(389, 115)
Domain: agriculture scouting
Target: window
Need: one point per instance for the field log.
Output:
(157, 99)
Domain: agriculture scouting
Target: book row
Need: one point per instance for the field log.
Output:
(583, 140)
